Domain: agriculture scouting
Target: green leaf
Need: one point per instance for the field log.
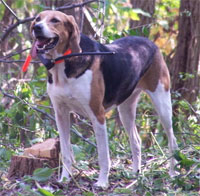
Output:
(123, 191)
(142, 12)
(133, 15)
(5, 154)
(184, 162)
(187, 163)
(19, 3)
(88, 194)
(148, 194)
(45, 192)
(42, 174)
(16, 57)
(179, 156)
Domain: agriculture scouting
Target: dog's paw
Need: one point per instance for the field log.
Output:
(173, 173)
(102, 184)
(64, 178)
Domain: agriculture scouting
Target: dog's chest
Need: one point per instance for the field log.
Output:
(72, 93)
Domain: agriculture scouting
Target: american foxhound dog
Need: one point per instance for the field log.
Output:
(91, 85)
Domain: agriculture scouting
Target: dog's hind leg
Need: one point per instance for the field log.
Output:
(161, 99)
(127, 112)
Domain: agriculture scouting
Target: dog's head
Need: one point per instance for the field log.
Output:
(54, 32)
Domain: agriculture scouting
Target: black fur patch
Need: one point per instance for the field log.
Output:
(50, 79)
(76, 66)
(121, 71)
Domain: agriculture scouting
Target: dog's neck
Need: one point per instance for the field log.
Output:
(57, 71)
(52, 55)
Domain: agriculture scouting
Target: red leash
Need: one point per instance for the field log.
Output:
(27, 62)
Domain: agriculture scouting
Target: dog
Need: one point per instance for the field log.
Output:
(91, 85)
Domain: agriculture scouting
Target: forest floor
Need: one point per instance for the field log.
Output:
(154, 179)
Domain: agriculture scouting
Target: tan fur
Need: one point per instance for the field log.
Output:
(67, 30)
(157, 71)
(97, 92)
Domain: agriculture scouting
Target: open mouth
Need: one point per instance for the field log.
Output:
(43, 45)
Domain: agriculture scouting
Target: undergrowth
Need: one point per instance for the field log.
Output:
(23, 125)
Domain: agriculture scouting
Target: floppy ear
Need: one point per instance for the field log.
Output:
(74, 34)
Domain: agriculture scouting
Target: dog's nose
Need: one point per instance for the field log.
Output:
(37, 28)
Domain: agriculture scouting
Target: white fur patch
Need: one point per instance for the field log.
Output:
(73, 93)
(46, 31)
(162, 102)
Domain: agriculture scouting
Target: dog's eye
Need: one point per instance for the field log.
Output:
(38, 19)
(54, 20)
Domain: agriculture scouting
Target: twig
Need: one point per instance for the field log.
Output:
(7, 32)
(158, 144)
(11, 11)
(81, 188)
(74, 130)
(168, 158)
(29, 104)
(131, 184)
(17, 61)
(101, 26)
(20, 127)
(46, 114)
(82, 18)
(76, 5)
(193, 110)
(14, 53)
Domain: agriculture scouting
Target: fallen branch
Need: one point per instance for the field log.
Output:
(75, 131)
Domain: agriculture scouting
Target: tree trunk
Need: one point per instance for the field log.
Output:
(185, 63)
(4, 23)
(147, 6)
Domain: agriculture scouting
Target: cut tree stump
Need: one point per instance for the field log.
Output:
(38, 156)
(47, 149)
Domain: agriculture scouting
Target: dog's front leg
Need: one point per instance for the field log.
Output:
(63, 125)
(103, 153)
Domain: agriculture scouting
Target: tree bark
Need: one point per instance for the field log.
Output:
(37, 156)
(4, 46)
(185, 63)
(147, 6)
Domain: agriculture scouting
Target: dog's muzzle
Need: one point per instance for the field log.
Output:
(42, 42)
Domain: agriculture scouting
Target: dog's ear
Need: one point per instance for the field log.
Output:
(74, 34)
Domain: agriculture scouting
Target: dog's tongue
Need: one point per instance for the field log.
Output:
(37, 43)
(33, 52)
